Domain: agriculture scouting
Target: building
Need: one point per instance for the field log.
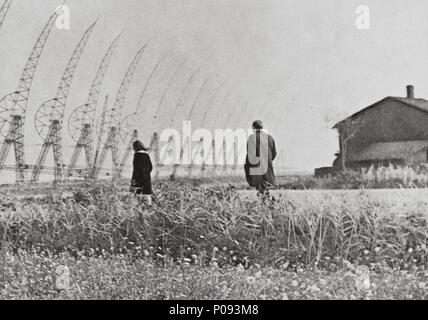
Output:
(391, 131)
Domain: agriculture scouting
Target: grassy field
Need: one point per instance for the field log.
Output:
(207, 241)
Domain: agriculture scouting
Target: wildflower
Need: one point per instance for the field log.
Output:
(63, 278)
(284, 296)
(240, 268)
(410, 250)
(362, 281)
(377, 249)
(294, 283)
(314, 288)
(251, 280)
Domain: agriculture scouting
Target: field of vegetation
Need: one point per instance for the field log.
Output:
(206, 241)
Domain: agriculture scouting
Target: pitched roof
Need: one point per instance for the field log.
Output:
(420, 104)
(397, 150)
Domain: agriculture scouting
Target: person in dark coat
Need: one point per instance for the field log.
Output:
(261, 152)
(141, 183)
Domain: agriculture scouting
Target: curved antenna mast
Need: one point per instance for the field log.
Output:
(229, 116)
(50, 116)
(242, 111)
(180, 101)
(85, 114)
(234, 116)
(81, 121)
(201, 90)
(27, 76)
(114, 114)
(210, 104)
(165, 92)
(94, 172)
(221, 107)
(173, 77)
(4, 10)
(128, 123)
(146, 86)
(54, 109)
(13, 106)
(110, 119)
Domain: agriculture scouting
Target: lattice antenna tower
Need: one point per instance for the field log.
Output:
(168, 87)
(13, 106)
(4, 10)
(232, 111)
(112, 117)
(129, 122)
(210, 104)
(198, 96)
(94, 173)
(180, 101)
(220, 108)
(50, 115)
(82, 119)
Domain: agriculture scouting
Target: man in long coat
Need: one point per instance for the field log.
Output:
(261, 152)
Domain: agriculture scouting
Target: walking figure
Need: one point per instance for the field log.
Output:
(261, 152)
(141, 183)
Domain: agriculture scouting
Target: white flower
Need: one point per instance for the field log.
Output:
(362, 281)
(63, 278)
(314, 288)
(251, 280)
(284, 296)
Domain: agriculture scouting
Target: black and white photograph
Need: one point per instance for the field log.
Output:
(226, 151)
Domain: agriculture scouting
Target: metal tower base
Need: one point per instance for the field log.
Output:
(110, 144)
(52, 139)
(15, 137)
(84, 143)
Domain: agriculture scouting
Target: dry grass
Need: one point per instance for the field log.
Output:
(201, 242)
(206, 218)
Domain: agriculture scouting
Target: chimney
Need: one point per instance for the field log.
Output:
(410, 92)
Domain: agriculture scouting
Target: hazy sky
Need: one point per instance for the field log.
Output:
(303, 59)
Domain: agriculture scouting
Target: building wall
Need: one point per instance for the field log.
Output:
(390, 120)
(419, 157)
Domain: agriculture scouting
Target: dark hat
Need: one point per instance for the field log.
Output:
(258, 125)
(139, 146)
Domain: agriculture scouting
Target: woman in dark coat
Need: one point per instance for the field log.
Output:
(260, 146)
(141, 183)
